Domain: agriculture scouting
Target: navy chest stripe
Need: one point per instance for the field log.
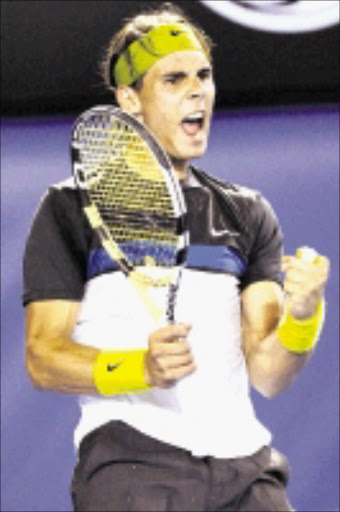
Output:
(214, 257)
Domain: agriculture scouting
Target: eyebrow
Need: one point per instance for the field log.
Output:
(181, 74)
(175, 74)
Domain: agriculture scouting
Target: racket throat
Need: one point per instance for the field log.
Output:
(143, 291)
(170, 311)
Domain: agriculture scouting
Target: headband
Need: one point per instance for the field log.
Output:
(159, 42)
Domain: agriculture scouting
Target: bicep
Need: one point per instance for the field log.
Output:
(56, 250)
(261, 306)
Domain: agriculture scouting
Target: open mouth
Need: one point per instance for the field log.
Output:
(193, 123)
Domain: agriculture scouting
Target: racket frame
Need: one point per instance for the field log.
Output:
(140, 281)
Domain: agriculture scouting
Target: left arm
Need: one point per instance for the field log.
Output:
(272, 368)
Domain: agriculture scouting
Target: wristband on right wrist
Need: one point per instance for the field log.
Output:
(120, 372)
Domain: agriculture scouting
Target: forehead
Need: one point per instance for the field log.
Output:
(186, 62)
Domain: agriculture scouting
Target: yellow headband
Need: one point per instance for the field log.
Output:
(143, 53)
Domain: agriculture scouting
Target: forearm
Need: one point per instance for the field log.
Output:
(280, 330)
(66, 367)
(272, 368)
(55, 362)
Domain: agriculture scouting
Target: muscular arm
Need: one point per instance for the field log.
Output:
(272, 368)
(53, 360)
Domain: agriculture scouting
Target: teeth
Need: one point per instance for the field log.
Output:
(194, 117)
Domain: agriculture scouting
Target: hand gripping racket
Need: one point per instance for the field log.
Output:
(132, 199)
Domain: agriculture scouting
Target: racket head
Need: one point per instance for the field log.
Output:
(130, 194)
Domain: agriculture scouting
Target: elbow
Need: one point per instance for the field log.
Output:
(33, 373)
(36, 366)
(271, 384)
(264, 389)
(269, 392)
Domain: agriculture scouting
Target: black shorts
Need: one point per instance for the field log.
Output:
(120, 469)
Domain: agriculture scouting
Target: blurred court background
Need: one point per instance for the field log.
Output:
(276, 129)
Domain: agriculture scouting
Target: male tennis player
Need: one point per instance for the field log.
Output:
(183, 435)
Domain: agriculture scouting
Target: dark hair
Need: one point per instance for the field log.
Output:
(135, 27)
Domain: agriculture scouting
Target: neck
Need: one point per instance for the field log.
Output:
(181, 168)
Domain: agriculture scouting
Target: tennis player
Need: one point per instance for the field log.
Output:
(183, 434)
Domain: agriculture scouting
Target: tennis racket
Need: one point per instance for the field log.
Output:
(132, 199)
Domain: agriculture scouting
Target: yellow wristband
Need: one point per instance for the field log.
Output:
(300, 336)
(120, 372)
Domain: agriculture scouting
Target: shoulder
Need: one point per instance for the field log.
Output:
(249, 204)
(59, 213)
(60, 200)
(62, 191)
(238, 192)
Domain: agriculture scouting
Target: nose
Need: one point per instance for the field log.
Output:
(195, 88)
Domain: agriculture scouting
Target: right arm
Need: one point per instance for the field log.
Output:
(55, 362)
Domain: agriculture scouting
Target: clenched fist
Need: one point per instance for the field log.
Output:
(306, 277)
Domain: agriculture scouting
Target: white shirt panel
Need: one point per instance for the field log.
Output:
(208, 412)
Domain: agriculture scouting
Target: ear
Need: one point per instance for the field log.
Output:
(128, 100)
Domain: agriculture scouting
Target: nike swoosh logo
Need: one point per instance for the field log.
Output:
(112, 367)
(213, 232)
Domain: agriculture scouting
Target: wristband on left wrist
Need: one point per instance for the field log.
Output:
(301, 335)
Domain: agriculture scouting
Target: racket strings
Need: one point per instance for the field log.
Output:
(137, 218)
(126, 175)
(130, 213)
(120, 139)
(125, 183)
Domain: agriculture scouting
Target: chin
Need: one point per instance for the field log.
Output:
(195, 150)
